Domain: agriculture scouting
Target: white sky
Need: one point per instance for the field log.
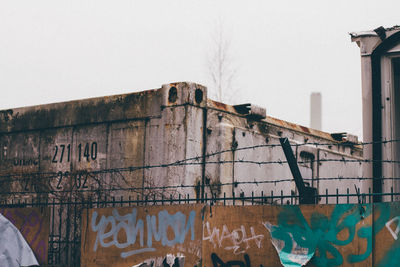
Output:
(52, 51)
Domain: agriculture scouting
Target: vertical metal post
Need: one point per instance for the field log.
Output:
(203, 166)
(307, 195)
(294, 168)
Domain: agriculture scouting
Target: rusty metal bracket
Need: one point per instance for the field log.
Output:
(307, 194)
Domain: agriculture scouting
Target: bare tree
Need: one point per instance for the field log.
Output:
(221, 69)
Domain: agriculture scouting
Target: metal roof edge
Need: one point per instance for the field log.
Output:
(277, 122)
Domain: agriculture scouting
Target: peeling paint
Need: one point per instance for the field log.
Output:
(169, 260)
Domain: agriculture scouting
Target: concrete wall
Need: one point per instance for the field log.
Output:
(122, 145)
(117, 133)
(318, 154)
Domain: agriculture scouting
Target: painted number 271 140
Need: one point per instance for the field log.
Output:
(62, 153)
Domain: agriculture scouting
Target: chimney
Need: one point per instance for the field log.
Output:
(316, 111)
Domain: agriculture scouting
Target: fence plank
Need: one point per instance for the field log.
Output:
(122, 236)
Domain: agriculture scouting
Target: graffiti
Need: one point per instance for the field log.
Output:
(238, 239)
(32, 225)
(331, 235)
(293, 234)
(394, 233)
(193, 250)
(109, 228)
(217, 262)
(14, 250)
(391, 257)
(168, 261)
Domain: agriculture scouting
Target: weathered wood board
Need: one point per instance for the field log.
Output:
(219, 236)
(129, 236)
(247, 236)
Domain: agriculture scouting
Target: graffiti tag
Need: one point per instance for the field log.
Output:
(239, 241)
(297, 241)
(394, 233)
(109, 228)
(217, 262)
(31, 223)
(168, 261)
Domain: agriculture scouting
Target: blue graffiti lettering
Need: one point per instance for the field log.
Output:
(110, 227)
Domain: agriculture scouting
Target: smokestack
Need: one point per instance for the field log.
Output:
(316, 111)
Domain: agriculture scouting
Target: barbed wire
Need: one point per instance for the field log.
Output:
(181, 163)
(279, 145)
(348, 143)
(199, 160)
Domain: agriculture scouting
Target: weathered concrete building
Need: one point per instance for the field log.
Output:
(165, 142)
(380, 69)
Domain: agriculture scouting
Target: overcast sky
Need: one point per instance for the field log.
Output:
(52, 51)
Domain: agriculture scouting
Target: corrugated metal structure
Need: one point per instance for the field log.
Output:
(163, 142)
